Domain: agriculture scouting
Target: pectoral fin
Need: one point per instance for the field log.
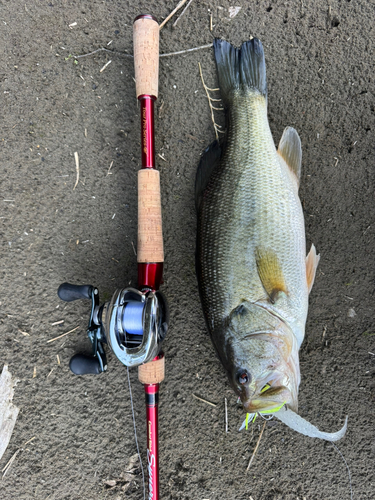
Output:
(312, 261)
(291, 152)
(270, 273)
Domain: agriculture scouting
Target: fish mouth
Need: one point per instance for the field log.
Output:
(271, 399)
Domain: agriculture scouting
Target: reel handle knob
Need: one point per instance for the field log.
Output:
(69, 292)
(82, 364)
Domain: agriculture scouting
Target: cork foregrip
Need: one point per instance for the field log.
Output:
(152, 372)
(146, 56)
(150, 233)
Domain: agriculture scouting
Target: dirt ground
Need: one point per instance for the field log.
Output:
(320, 59)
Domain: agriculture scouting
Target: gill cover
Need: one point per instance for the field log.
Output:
(262, 345)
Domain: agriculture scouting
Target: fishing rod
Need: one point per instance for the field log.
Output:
(135, 321)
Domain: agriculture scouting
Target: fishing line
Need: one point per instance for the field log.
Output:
(347, 466)
(135, 435)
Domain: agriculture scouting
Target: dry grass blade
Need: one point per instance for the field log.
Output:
(104, 67)
(12, 459)
(77, 169)
(180, 4)
(29, 441)
(63, 335)
(226, 415)
(24, 333)
(256, 447)
(109, 170)
(204, 400)
(58, 322)
(9, 463)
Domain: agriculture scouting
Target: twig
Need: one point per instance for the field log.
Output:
(182, 13)
(187, 50)
(63, 335)
(99, 50)
(210, 99)
(256, 447)
(180, 4)
(205, 401)
(122, 54)
(77, 169)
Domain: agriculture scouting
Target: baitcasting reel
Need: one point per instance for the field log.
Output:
(132, 323)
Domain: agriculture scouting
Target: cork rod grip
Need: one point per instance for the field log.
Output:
(146, 56)
(150, 233)
(152, 372)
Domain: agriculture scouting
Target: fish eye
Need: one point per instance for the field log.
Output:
(243, 377)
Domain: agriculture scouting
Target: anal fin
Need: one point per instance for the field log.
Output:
(270, 273)
(312, 261)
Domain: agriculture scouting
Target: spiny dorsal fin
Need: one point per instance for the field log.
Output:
(290, 150)
(312, 261)
(270, 273)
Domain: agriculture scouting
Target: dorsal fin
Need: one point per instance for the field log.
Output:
(209, 161)
(290, 150)
(270, 273)
(312, 261)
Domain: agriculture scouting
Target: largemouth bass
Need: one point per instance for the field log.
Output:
(253, 274)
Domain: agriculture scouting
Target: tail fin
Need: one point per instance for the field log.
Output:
(240, 69)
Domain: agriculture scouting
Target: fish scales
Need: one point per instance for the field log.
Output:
(251, 255)
(248, 204)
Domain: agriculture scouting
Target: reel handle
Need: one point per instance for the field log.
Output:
(82, 364)
(69, 292)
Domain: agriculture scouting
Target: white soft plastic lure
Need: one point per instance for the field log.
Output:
(8, 412)
(299, 424)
